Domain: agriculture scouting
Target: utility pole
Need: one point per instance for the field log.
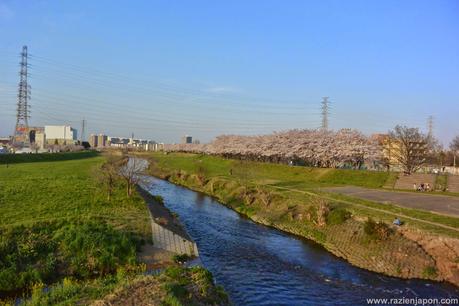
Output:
(21, 131)
(325, 113)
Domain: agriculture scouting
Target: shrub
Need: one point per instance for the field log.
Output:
(181, 258)
(377, 230)
(159, 199)
(337, 216)
(429, 272)
(185, 286)
(318, 211)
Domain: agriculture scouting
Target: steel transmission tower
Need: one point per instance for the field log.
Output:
(430, 127)
(21, 132)
(325, 112)
(83, 126)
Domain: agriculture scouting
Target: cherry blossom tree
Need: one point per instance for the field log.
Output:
(317, 148)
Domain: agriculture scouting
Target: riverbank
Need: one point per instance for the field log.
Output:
(65, 242)
(415, 250)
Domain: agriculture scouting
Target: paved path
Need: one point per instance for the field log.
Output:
(367, 207)
(446, 205)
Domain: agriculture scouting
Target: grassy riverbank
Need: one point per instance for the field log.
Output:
(58, 229)
(289, 198)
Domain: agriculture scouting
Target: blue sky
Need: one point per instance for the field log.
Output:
(162, 69)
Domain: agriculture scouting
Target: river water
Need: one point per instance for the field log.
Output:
(258, 265)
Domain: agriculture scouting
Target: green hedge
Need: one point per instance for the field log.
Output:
(44, 157)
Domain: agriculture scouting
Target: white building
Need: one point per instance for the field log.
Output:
(60, 132)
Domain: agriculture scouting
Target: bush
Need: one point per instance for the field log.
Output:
(159, 199)
(338, 216)
(185, 286)
(429, 272)
(318, 211)
(377, 230)
(44, 157)
(181, 258)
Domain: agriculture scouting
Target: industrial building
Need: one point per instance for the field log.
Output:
(60, 134)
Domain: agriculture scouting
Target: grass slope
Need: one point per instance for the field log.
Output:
(257, 172)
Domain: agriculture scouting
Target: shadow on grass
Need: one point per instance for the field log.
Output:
(44, 157)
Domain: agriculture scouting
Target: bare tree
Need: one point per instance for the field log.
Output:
(454, 146)
(34, 147)
(411, 149)
(109, 173)
(131, 171)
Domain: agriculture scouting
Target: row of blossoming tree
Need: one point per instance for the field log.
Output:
(317, 148)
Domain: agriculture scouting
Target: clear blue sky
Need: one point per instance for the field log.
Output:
(162, 69)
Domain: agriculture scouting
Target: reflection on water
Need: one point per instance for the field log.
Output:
(258, 265)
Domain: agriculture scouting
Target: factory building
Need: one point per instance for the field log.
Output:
(60, 134)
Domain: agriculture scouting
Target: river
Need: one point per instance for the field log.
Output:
(258, 265)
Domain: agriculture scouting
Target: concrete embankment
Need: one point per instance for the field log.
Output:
(167, 232)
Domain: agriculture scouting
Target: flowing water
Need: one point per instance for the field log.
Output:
(258, 265)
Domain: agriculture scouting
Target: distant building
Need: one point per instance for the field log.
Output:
(187, 139)
(118, 142)
(40, 140)
(93, 140)
(392, 150)
(102, 140)
(5, 140)
(33, 131)
(60, 134)
(98, 141)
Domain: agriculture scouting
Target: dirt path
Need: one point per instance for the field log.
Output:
(368, 207)
(441, 204)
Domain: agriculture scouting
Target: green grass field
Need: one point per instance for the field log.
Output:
(64, 190)
(56, 222)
